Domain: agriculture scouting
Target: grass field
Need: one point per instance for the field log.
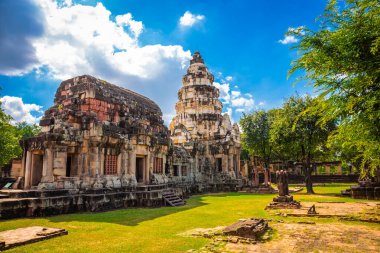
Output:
(158, 229)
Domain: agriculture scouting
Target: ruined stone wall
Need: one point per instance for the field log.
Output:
(93, 136)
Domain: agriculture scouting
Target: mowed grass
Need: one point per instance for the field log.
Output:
(158, 229)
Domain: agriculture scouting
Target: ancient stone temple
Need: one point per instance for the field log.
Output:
(201, 129)
(96, 135)
(104, 147)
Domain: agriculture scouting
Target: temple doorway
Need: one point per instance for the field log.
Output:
(68, 165)
(36, 174)
(140, 169)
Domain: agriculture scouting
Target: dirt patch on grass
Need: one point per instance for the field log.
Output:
(315, 238)
(364, 210)
(296, 237)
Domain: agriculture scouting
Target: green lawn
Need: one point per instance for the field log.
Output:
(155, 230)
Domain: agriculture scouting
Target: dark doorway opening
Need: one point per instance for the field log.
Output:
(176, 170)
(140, 169)
(68, 165)
(37, 169)
(219, 164)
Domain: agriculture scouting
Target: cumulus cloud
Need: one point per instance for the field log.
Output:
(188, 19)
(289, 39)
(79, 39)
(19, 27)
(234, 100)
(20, 112)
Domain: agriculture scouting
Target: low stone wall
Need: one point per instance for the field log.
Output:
(362, 192)
(299, 179)
(37, 203)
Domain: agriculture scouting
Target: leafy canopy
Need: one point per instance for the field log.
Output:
(342, 61)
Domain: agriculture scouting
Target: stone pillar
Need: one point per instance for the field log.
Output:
(23, 163)
(256, 177)
(147, 162)
(132, 162)
(28, 167)
(47, 167)
(266, 176)
(246, 168)
(225, 163)
(118, 164)
(97, 159)
(327, 169)
(123, 169)
(230, 162)
(339, 169)
(101, 161)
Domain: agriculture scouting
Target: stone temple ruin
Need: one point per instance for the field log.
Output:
(202, 131)
(99, 138)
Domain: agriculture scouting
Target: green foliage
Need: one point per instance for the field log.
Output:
(255, 138)
(289, 133)
(11, 135)
(26, 130)
(342, 61)
(9, 138)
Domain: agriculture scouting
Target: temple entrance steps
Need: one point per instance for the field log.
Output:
(172, 199)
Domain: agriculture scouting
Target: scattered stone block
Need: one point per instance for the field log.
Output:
(21, 236)
(249, 228)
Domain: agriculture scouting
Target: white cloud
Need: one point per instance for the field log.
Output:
(188, 19)
(20, 112)
(80, 39)
(229, 78)
(289, 39)
(234, 99)
(242, 102)
(235, 93)
(224, 92)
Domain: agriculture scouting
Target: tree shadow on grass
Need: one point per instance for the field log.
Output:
(128, 216)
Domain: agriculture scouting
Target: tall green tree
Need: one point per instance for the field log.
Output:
(342, 61)
(298, 137)
(255, 138)
(26, 130)
(9, 139)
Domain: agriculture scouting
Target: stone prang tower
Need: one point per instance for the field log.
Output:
(201, 129)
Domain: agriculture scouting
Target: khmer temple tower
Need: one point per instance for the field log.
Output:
(200, 127)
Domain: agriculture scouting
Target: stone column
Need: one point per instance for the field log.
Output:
(339, 169)
(246, 168)
(225, 163)
(230, 162)
(97, 154)
(256, 177)
(266, 176)
(123, 168)
(132, 162)
(147, 163)
(28, 167)
(101, 161)
(47, 167)
(327, 169)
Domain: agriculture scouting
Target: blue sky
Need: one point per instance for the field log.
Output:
(145, 45)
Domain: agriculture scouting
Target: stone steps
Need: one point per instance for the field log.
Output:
(172, 199)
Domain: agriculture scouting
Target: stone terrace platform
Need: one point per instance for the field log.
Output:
(35, 203)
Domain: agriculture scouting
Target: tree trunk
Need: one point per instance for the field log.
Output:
(307, 169)
(309, 184)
